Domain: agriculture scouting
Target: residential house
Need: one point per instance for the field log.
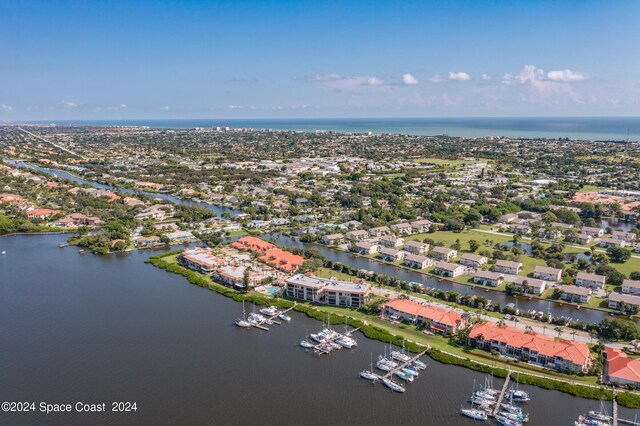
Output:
(328, 291)
(631, 287)
(417, 261)
(333, 239)
(488, 278)
(365, 247)
(584, 238)
(436, 319)
(594, 232)
(390, 254)
(473, 260)
(547, 273)
(416, 247)
(529, 285)
(421, 226)
(379, 231)
(507, 267)
(574, 293)
(78, 219)
(618, 300)
(402, 228)
(537, 349)
(519, 229)
(448, 269)
(42, 213)
(584, 279)
(443, 253)
(607, 242)
(180, 236)
(358, 235)
(619, 368)
(150, 241)
(391, 241)
(622, 235)
(200, 260)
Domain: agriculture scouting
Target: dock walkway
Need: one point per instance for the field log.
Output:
(503, 391)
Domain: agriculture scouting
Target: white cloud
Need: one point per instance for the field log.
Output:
(68, 104)
(566, 75)
(373, 81)
(538, 84)
(436, 78)
(6, 108)
(122, 106)
(409, 80)
(459, 76)
(485, 77)
(324, 77)
(164, 108)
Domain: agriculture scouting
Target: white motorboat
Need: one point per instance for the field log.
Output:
(393, 385)
(346, 342)
(512, 416)
(598, 415)
(318, 337)
(306, 344)
(284, 317)
(518, 395)
(269, 311)
(585, 421)
(474, 413)
(505, 421)
(368, 375)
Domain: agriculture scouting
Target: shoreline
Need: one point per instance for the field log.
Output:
(375, 332)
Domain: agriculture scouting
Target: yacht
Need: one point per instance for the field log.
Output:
(284, 317)
(382, 366)
(393, 385)
(269, 311)
(306, 344)
(598, 415)
(411, 370)
(506, 421)
(368, 375)
(585, 421)
(399, 356)
(346, 342)
(485, 395)
(481, 401)
(256, 318)
(514, 416)
(518, 395)
(387, 361)
(419, 364)
(404, 376)
(318, 337)
(474, 413)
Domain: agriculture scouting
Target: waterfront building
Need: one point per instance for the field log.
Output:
(333, 239)
(448, 269)
(488, 278)
(200, 259)
(575, 294)
(584, 279)
(545, 351)
(619, 368)
(365, 247)
(391, 255)
(533, 285)
(328, 291)
(417, 261)
(436, 319)
(619, 300)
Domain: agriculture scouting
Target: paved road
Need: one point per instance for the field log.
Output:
(52, 143)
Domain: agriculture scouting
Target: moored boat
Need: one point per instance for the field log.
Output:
(474, 413)
(306, 344)
(368, 375)
(393, 385)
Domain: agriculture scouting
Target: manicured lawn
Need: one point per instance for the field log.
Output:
(448, 238)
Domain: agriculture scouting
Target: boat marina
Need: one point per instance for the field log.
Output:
(396, 364)
(328, 340)
(267, 316)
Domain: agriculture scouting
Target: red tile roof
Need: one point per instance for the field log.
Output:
(431, 313)
(573, 351)
(619, 366)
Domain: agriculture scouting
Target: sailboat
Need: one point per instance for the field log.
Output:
(242, 322)
(305, 343)
(393, 385)
(369, 374)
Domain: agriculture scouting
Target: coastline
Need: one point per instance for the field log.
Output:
(383, 334)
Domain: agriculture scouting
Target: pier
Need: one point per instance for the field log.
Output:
(325, 347)
(270, 320)
(403, 364)
(503, 391)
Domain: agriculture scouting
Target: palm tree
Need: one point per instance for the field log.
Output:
(558, 329)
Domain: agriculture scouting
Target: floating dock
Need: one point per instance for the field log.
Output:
(270, 320)
(503, 391)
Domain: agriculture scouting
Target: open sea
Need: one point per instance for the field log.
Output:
(586, 128)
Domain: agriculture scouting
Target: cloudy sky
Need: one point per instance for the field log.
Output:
(263, 59)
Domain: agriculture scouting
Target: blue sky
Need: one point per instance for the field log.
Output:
(254, 59)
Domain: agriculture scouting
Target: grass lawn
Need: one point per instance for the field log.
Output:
(448, 238)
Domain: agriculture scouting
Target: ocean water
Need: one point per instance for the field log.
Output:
(587, 128)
